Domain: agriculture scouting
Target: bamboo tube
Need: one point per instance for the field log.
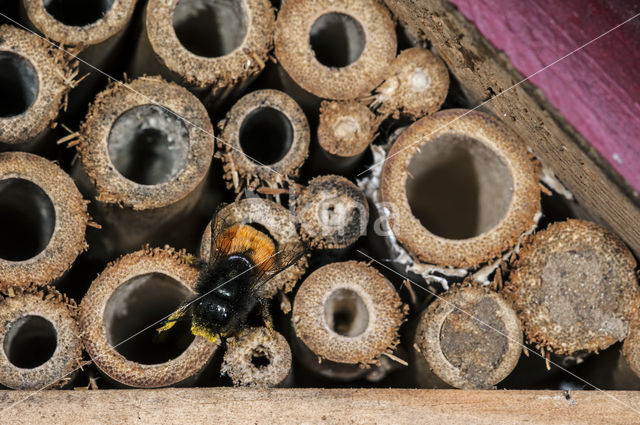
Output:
(42, 221)
(211, 46)
(345, 132)
(333, 213)
(461, 187)
(574, 288)
(417, 85)
(94, 30)
(39, 340)
(345, 316)
(144, 155)
(335, 49)
(470, 338)
(278, 223)
(34, 79)
(121, 311)
(258, 358)
(266, 140)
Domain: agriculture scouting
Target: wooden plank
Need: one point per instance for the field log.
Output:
(335, 406)
(595, 89)
(483, 72)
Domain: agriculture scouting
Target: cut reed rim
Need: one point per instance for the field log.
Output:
(279, 224)
(574, 288)
(461, 188)
(348, 313)
(335, 49)
(176, 32)
(39, 343)
(266, 138)
(79, 22)
(470, 352)
(333, 213)
(346, 129)
(42, 218)
(132, 293)
(32, 82)
(257, 358)
(138, 151)
(417, 85)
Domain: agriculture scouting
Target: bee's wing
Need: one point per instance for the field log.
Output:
(217, 249)
(280, 261)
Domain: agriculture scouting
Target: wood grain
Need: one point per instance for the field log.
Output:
(596, 89)
(335, 406)
(482, 72)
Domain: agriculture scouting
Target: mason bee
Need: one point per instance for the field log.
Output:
(243, 258)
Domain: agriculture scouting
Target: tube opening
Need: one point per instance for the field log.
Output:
(18, 84)
(78, 13)
(30, 342)
(139, 303)
(259, 358)
(345, 313)
(149, 145)
(27, 219)
(210, 28)
(266, 135)
(460, 187)
(337, 40)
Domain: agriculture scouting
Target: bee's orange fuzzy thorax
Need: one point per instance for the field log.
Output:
(244, 239)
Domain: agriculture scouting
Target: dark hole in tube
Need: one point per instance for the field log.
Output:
(266, 135)
(345, 313)
(210, 28)
(27, 219)
(30, 342)
(18, 84)
(460, 187)
(139, 303)
(149, 145)
(259, 359)
(337, 40)
(78, 13)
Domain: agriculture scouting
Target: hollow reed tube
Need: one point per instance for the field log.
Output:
(258, 357)
(264, 140)
(93, 30)
(215, 47)
(335, 49)
(345, 316)
(43, 219)
(33, 82)
(144, 155)
(39, 341)
(120, 314)
(461, 189)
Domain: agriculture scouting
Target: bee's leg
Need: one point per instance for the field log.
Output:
(265, 306)
(193, 260)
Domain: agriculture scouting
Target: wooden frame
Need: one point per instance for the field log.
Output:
(482, 72)
(334, 406)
